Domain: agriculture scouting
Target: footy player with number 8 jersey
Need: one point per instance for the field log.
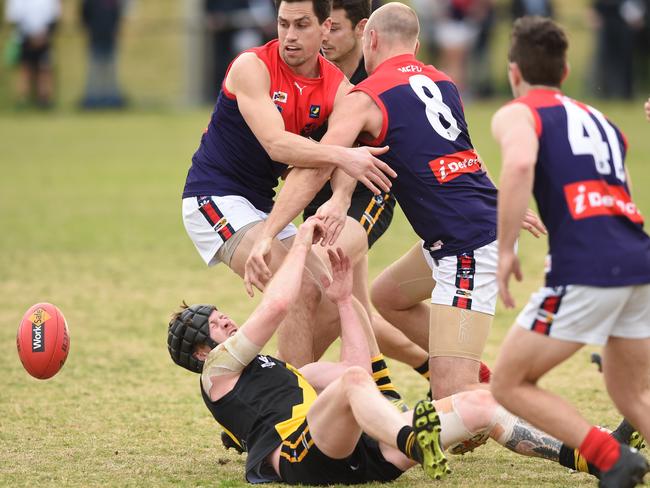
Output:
(597, 291)
(441, 186)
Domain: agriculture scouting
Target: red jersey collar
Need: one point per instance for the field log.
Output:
(544, 91)
(398, 60)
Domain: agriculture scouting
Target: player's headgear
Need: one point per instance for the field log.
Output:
(186, 330)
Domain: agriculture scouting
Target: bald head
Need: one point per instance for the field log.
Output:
(397, 22)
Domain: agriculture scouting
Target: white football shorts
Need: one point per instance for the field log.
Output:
(210, 221)
(468, 280)
(589, 314)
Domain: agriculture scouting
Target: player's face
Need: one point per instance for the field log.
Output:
(342, 38)
(299, 32)
(221, 326)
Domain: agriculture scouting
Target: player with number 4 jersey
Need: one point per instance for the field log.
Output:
(571, 157)
(596, 230)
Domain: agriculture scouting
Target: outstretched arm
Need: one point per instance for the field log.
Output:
(284, 289)
(356, 331)
(299, 189)
(231, 356)
(514, 129)
(334, 211)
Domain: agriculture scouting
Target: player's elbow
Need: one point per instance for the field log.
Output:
(520, 158)
(278, 148)
(276, 308)
(275, 149)
(313, 179)
(518, 166)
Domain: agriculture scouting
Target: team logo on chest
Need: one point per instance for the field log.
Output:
(300, 88)
(265, 362)
(314, 111)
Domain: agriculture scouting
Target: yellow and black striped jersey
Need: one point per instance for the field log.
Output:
(268, 403)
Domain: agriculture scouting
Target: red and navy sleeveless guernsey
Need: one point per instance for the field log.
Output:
(230, 160)
(596, 235)
(441, 185)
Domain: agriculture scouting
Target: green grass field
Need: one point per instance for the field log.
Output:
(90, 221)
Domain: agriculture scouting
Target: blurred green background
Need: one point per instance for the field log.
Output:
(153, 52)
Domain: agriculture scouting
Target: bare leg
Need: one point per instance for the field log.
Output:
(23, 83)
(390, 341)
(349, 406)
(332, 424)
(449, 375)
(626, 366)
(454, 63)
(524, 358)
(395, 345)
(398, 294)
(45, 84)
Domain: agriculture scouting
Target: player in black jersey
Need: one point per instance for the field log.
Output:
(347, 433)
(272, 410)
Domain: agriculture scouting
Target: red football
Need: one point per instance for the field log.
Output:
(43, 340)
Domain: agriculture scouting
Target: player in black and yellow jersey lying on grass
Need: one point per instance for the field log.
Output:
(328, 422)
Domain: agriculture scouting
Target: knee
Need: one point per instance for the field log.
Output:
(354, 377)
(501, 385)
(498, 386)
(383, 293)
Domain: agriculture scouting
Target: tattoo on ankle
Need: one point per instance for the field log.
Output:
(529, 441)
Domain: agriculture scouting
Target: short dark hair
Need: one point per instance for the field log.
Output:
(322, 8)
(538, 45)
(356, 10)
